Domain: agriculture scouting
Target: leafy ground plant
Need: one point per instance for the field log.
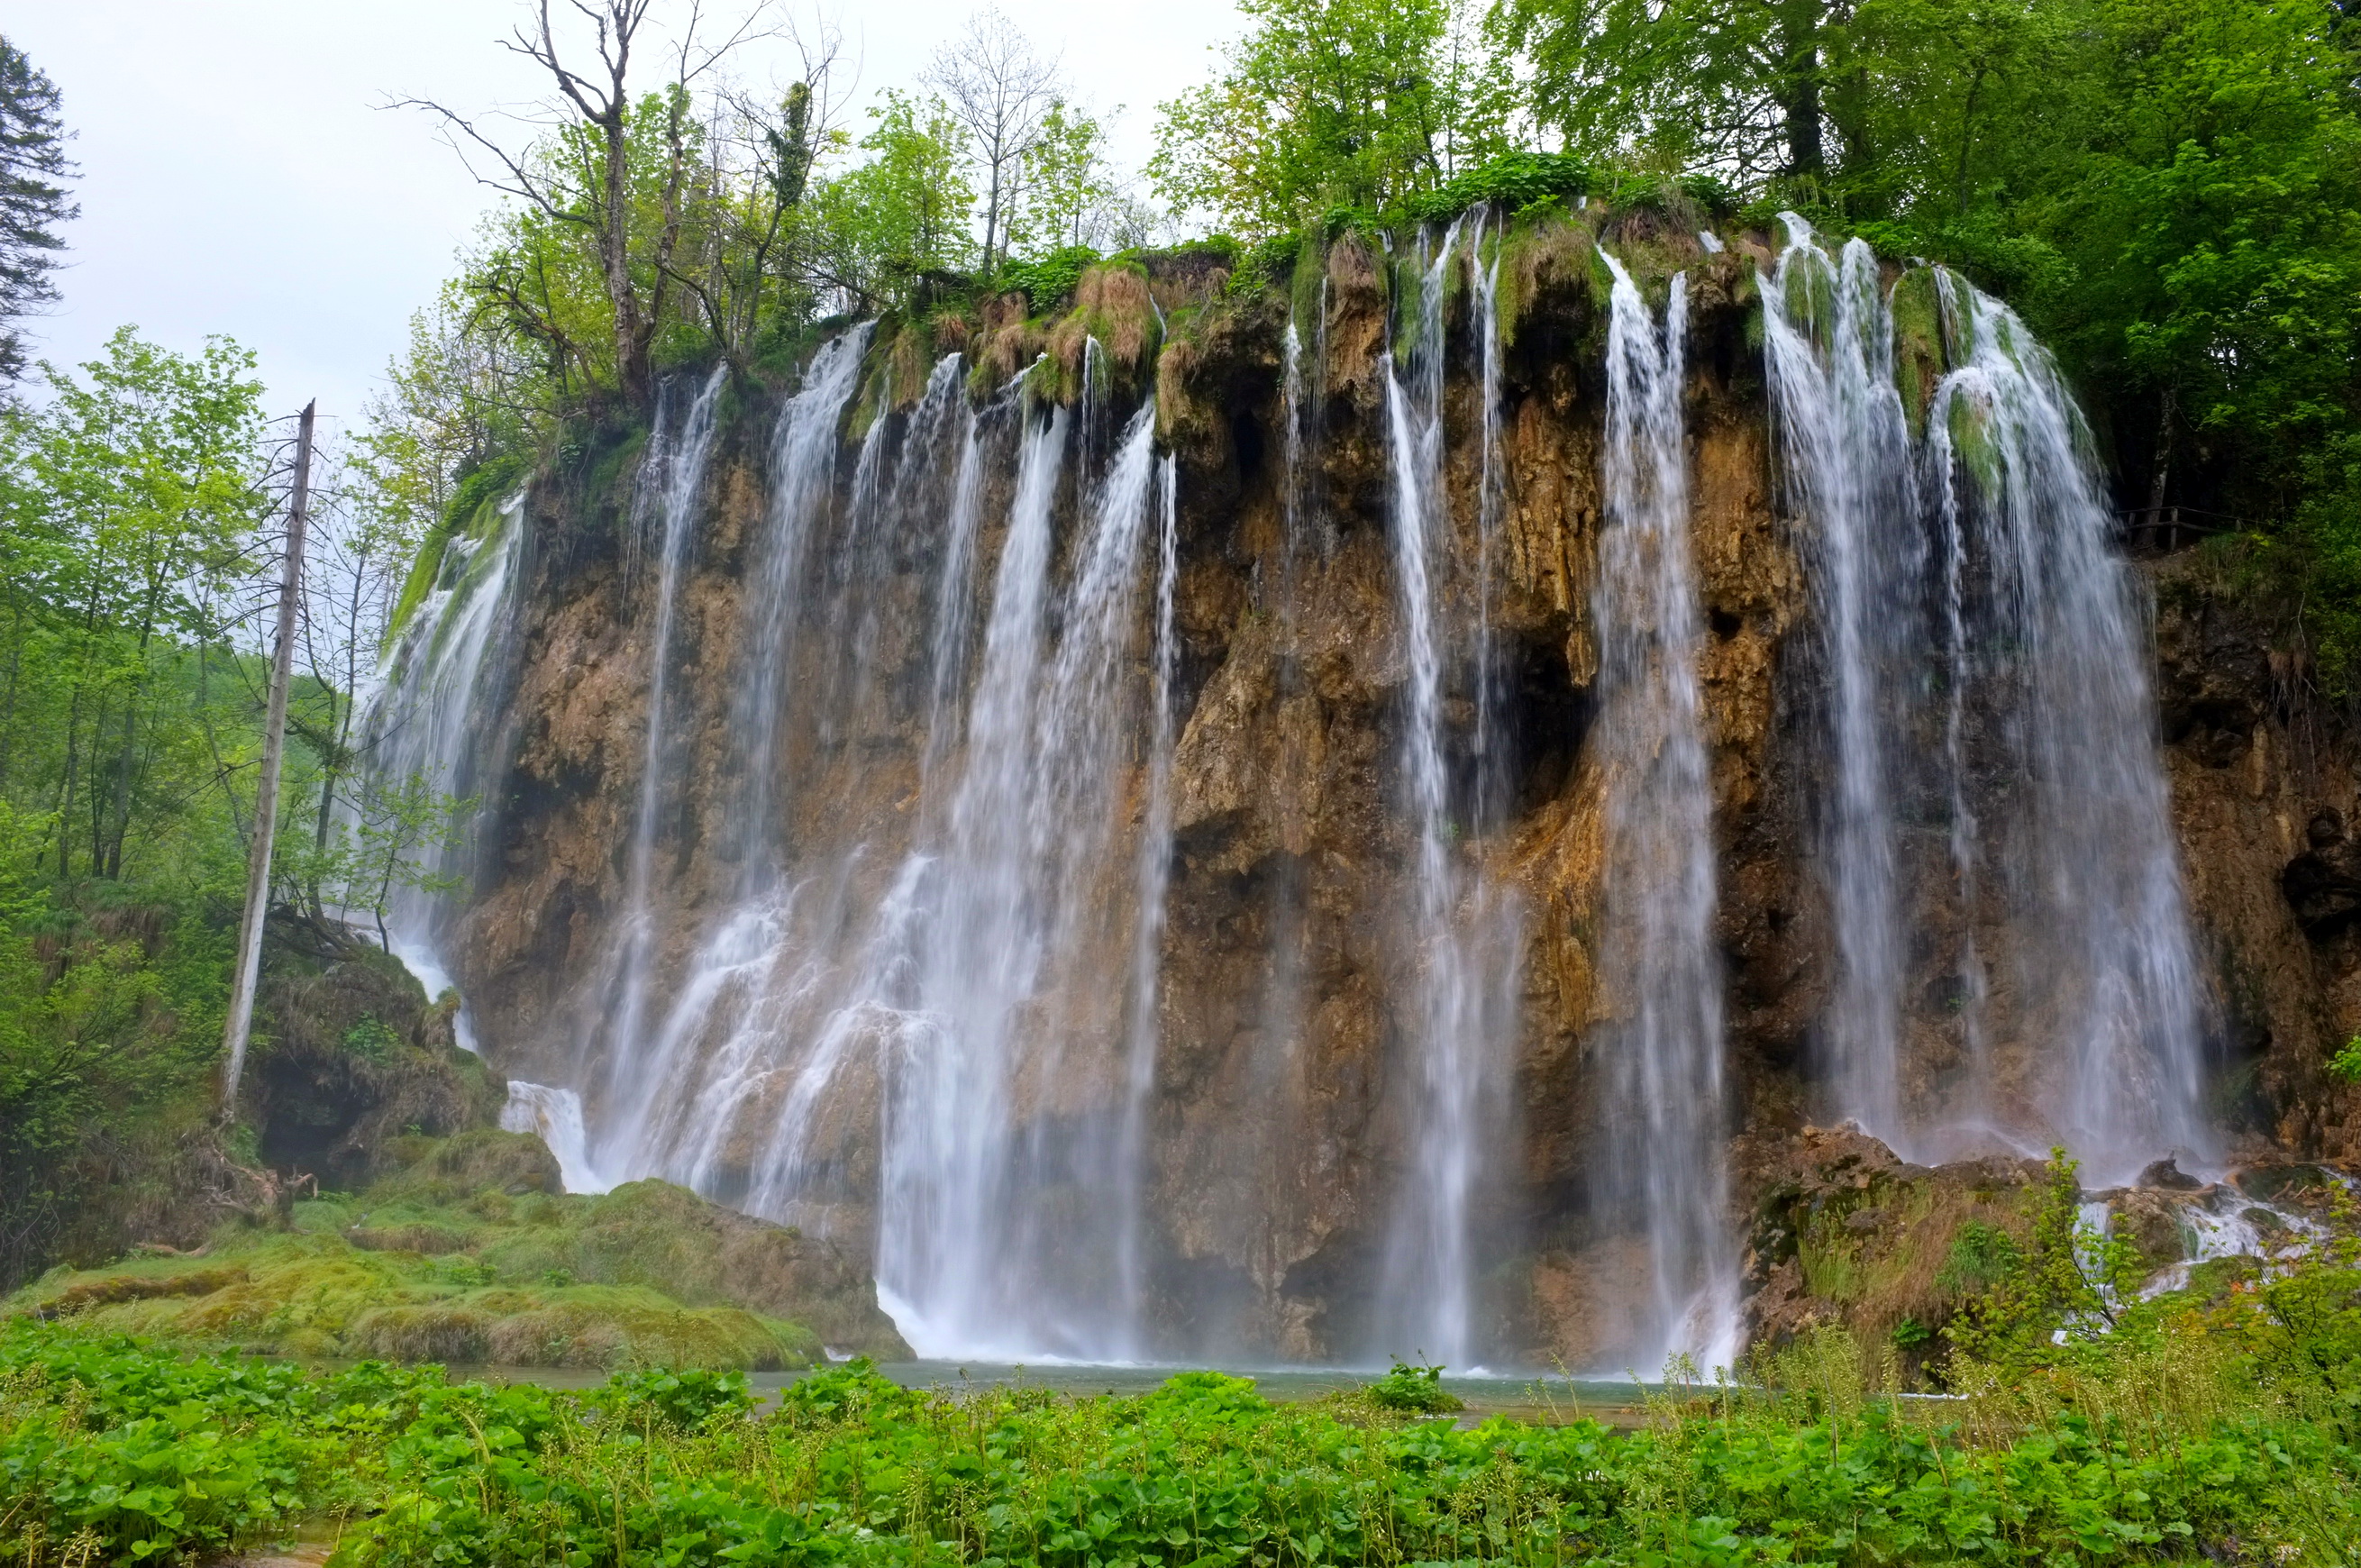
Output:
(2204, 1443)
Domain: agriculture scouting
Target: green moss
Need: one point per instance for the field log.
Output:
(1918, 358)
(472, 1253)
(420, 582)
(1972, 442)
(1304, 286)
(1542, 248)
(319, 1294)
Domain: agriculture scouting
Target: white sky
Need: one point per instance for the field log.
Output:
(237, 178)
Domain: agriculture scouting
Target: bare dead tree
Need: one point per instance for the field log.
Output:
(594, 94)
(998, 90)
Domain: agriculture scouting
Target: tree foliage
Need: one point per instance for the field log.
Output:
(33, 198)
(1333, 103)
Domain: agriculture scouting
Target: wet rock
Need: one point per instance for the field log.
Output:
(2166, 1173)
(1276, 1116)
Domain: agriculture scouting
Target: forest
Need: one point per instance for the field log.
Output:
(2166, 192)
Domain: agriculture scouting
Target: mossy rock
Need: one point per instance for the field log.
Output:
(318, 1296)
(1547, 270)
(454, 1169)
(473, 1252)
(1919, 358)
(353, 1057)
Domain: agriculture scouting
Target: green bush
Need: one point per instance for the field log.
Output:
(1048, 280)
(684, 1399)
(1413, 1389)
(1512, 180)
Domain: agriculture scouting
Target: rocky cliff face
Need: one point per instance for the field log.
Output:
(1283, 1102)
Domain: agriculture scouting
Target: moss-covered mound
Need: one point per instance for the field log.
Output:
(472, 1253)
(353, 1062)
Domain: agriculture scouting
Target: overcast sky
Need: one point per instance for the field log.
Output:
(238, 178)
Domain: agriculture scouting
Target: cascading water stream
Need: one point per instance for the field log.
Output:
(803, 474)
(425, 725)
(1011, 913)
(667, 1125)
(1462, 934)
(1154, 879)
(1491, 506)
(671, 484)
(1844, 452)
(2102, 939)
(1664, 1119)
(1992, 774)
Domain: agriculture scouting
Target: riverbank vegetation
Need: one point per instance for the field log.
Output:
(2217, 1423)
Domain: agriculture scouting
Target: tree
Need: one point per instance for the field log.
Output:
(33, 200)
(1000, 93)
(753, 267)
(454, 400)
(143, 497)
(1067, 184)
(360, 539)
(1332, 102)
(1736, 86)
(904, 212)
(402, 829)
(585, 181)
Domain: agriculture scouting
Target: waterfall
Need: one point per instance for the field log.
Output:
(1844, 454)
(665, 501)
(2100, 932)
(1012, 911)
(425, 724)
(1663, 1102)
(886, 933)
(1457, 1019)
(1991, 781)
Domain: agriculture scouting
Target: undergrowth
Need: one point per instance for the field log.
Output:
(2224, 1434)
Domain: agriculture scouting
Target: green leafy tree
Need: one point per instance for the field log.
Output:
(135, 518)
(1738, 86)
(903, 213)
(1330, 103)
(1067, 185)
(400, 833)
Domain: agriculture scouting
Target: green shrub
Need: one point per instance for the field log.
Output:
(686, 1400)
(1048, 280)
(1414, 1388)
